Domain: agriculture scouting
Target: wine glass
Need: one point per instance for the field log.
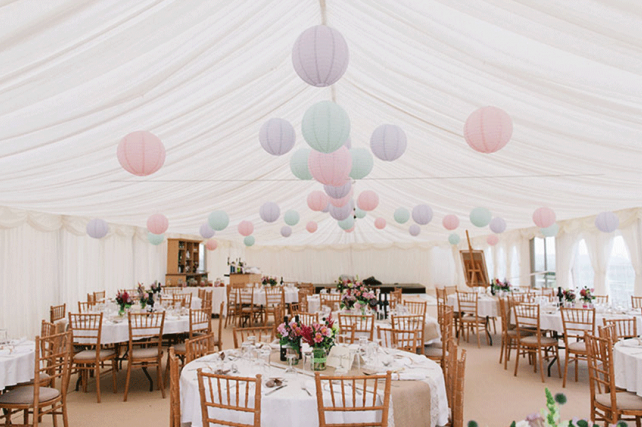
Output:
(290, 369)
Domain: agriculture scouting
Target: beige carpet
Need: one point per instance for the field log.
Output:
(493, 396)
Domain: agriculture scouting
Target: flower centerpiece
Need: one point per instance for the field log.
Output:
(499, 286)
(155, 287)
(321, 337)
(586, 295)
(289, 334)
(569, 296)
(124, 300)
(144, 297)
(354, 294)
(266, 280)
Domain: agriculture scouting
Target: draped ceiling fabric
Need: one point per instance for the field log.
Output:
(76, 76)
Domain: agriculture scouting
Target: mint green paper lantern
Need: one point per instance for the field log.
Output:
(155, 239)
(359, 213)
(218, 220)
(454, 239)
(249, 241)
(299, 164)
(402, 215)
(347, 223)
(480, 217)
(362, 163)
(291, 217)
(325, 126)
(550, 231)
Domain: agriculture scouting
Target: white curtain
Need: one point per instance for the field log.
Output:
(632, 235)
(599, 247)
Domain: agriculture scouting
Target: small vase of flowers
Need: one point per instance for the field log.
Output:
(500, 287)
(587, 297)
(569, 297)
(290, 338)
(269, 281)
(355, 295)
(144, 297)
(124, 300)
(321, 337)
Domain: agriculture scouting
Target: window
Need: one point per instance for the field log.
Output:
(543, 262)
(201, 258)
(620, 275)
(490, 264)
(582, 269)
(514, 266)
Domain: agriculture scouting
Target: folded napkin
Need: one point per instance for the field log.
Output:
(5, 352)
(631, 343)
(19, 341)
(408, 376)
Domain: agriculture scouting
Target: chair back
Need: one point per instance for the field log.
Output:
(467, 303)
(364, 324)
(307, 318)
(342, 395)
(504, 313)
(303, 300)
(396, 297)
(450, 368)
(274, 296)
(57, 312)
(99, 296)
(384, 333)
(221, 394)
(307, 287)
(450, 290)
(206, 298)
(577, 321)
(47, 328)
(446, 318)
(458, 393)
(241, 334)
(416, 307)
(52, 362)
(172, 290)
(330, 300)
(146, 330)
(91, 298)
(407, 332)
(623, 328)
(442, 296)
(86, 306)
(600, 365)
(527, 318)
(86, 329)
(636, 302)
(184, 298)
(601, 299)
(200, 321)
(174, 390)
(198, 347)
(246, 297)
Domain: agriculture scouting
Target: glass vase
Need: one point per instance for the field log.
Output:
(319, 359)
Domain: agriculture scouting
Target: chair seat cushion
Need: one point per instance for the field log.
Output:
(24, 395)
(577, 347)
(624, 399)
(91, 355)
(180, 348)
(145, 353)
(44, 380)
(532, 340)
(431, 351)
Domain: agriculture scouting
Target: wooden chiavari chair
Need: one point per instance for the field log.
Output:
(185, 299)
(145, 345)
(509, 333)
(199, 324)
(636, 302)
(437, 351)
(174, 391)
(225, 393)
(349, 400)
(307, 318)
(384, 334)
(418, 308)
(218, 339)
(232, 306)
(330, 300)
(99, 296)
(364, 324)
(274, 302)
(207, 300)
(86, 307)
(624, 328)
(241, 334)
(198, 347)
(407, 332)
(395, 298)
(57, 312)
(457, 411)
(469, 319)
(576, 322)
(601, 299)
(249, 313)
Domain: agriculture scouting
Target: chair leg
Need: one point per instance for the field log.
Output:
(568, 355)
(541, 363)
(160, 380)
(129, 373)
(97, 370)
(501, 350)
(114, 366)
(517, 358)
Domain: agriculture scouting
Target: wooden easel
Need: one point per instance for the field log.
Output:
(474, 264)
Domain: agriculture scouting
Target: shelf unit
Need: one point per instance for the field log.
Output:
(182, 261)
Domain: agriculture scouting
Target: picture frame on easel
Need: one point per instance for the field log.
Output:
(474, 264)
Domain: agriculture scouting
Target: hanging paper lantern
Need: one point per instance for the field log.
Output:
(498, 225)
(141, 153)
(368, 200)
(206, 231)
(341, 212)
(211, 244)
(348, 143)
(422, 214)
(97, 228)
(338, 192)
(607, 222)
(362, 163)
(402, 215)
(454, 239)
(317, 200)
(480, 217)
(347, 223)
(326, 209)
(350, 230)
(249, 240)
(245, 228)
(157, 224)
(550, 231)
(492, 239)
(488, 129)
(286, 231)
(450, 222)
(380, 223)
(342, 201)
(218, 220)
(388, 142)
(155, 239)
(299, 164)
(311, 227)
(325, 127)
(320, 56)
(331, 169)
(291, 217)
(277, 136)
(359, 213)
(414, 230)
(544, 217)
(269, 212)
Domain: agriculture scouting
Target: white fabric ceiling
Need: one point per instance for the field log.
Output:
(76, 76)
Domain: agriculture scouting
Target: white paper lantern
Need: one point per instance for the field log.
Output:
(422, 214)
(325, 127)
(362, 163)
(299, 164)
(497, 225)
(550, 231)
(320, 56)
(607, 222)
(359, 213)
(388, 142)
(269, 212)
(347, 223)
(155, 239)
(97, 228)
(277, 136)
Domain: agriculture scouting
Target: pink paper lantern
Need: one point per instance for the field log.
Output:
(342, 201)
(211, 244)
(332, 168)
(317, 201)
(350, 230)
(338, 192)
(388, 142)
(450, 222)
(157, 224)
(320, 56)
(414, 230)
(245, 228)
(277, 136)
(488, 129)
(141, 153)
(380, 223)
(544, 217)
(311, 227)
(368, 200)
(492, 239)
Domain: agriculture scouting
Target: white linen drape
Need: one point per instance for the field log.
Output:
(599, 247)
(632, 235)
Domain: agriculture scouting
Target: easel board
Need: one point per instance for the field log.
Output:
(475, 271)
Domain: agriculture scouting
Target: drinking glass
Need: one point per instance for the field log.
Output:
(266, 338)
(3, 336)
(290, 369)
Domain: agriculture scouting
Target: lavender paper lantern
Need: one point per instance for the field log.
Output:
(141, 153)
(338, 192)
(291, 217)
(269, 212)
(380, 223)
(359, 213)
(450, 222)
(342, 201)
(320, 56)
(492, 239)
(368, 200)
(550, 231)
(488, 129)
(347, 223)
(388, 142)
(497, 225)
(211, 244)
(249, 241)
(480, 217)
(362, 163)
(311, 227)
(245, 228)
(286, 231)
(454, 239)
(317, 201)
(544, 217)
(97, 228)
(401, 215)
(206, 231)
(326, 209)
(331, 169)
(422, 214)
(157, 224)
(218, 220)
(607, 222)
(325, 127)
(299, 164)
(414, 230)
(277, 136)
(342, 212)
(155, 239)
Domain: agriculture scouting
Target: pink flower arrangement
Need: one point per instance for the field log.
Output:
(355, 294)
(320, 335)
(290, 333)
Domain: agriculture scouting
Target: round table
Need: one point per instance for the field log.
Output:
(421, 390)
(627, 364)
(17, 361)
(487, 306)
(117, 330)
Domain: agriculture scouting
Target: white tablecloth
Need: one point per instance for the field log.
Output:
(196, 301)
(292, 404)
(552, 321)
(291, 295)
(486, 306)
(16, 363)
(219, 295)
(627, 363)
(118, 331)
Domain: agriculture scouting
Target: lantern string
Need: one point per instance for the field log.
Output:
(324, 17)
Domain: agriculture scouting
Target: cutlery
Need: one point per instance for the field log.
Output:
(306, 390)
(276, 389)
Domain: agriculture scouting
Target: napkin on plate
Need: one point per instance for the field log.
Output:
(631, 343)
(408, 376)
